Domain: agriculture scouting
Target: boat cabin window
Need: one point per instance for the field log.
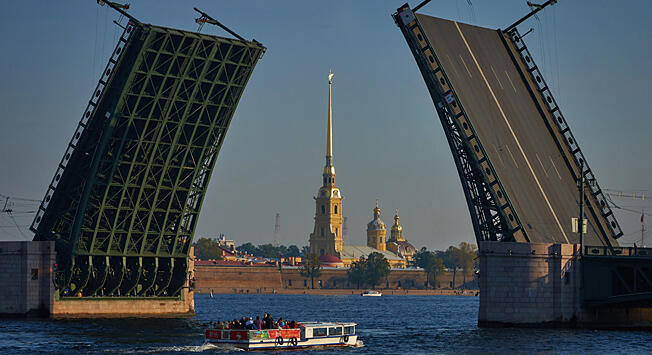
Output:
(335, 331)
(349, 330)
(319, 332)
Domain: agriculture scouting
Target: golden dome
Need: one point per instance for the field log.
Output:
(376, 223)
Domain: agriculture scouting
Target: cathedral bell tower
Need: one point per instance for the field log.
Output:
(326, 237)
(376, 231)
(397, 230)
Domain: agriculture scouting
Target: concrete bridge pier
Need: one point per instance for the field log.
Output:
(540, 284)
(26, 289)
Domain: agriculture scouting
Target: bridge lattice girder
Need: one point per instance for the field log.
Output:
(124, 202)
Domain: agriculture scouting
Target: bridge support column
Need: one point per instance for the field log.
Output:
(528, 284)
(537, 284)
(27, 288)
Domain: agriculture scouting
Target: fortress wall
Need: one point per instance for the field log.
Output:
(256, 279)
(265, 279)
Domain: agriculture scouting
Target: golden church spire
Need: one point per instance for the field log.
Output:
(326, 237)
(329, 169)
(329, 142)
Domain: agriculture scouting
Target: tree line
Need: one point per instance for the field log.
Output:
(208, 248)
(461, 258)
(271, 251)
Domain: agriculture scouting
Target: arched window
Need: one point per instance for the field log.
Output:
(323, 209)
(322, 231)
(335, 209)
(336, 231)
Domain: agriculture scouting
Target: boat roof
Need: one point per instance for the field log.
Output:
(328, 324)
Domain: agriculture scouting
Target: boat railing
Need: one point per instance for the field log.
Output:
(246, 335)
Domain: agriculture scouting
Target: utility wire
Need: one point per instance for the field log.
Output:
(19, 198)
(16, 224)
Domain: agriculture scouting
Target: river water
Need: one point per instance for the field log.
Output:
(386, 325)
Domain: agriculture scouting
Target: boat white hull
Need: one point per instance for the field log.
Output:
(268, 344)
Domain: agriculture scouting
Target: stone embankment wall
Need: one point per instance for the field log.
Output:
(265, 279)
(26, 277)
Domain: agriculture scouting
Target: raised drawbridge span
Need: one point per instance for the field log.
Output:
(522, 171)
(516, 156)
(123, 204)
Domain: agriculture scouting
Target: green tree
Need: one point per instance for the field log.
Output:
(293, 251)
(376, 268)
(467, 258)
(311, 268)
(268, 251)
(206, 248)
(305, 251)
(431, 264)
(247, 248)
(453, 260)
(356, 273)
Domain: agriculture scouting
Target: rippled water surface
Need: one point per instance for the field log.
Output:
(387, 325)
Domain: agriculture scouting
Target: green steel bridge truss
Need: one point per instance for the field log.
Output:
(123, 204)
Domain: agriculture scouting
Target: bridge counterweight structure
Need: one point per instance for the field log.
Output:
(515, 155)
(124, 201)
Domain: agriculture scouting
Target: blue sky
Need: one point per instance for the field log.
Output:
(388, 143)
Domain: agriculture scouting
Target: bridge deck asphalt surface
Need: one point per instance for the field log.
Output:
(511, 129)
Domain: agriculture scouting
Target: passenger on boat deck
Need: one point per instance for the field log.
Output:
(258, 323)
(293, 324)
(269, 321)
(281, 323)
(243, 322)
(250, 324)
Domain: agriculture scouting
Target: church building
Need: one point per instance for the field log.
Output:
(326, 237)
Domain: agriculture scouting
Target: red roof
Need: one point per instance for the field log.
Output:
(219, 262)
(329, 259)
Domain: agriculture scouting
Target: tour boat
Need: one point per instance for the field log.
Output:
(305, 336)
(371, 293)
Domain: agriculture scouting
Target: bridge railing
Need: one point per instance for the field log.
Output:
(564, 130)
(88, 113)
(617, 251)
